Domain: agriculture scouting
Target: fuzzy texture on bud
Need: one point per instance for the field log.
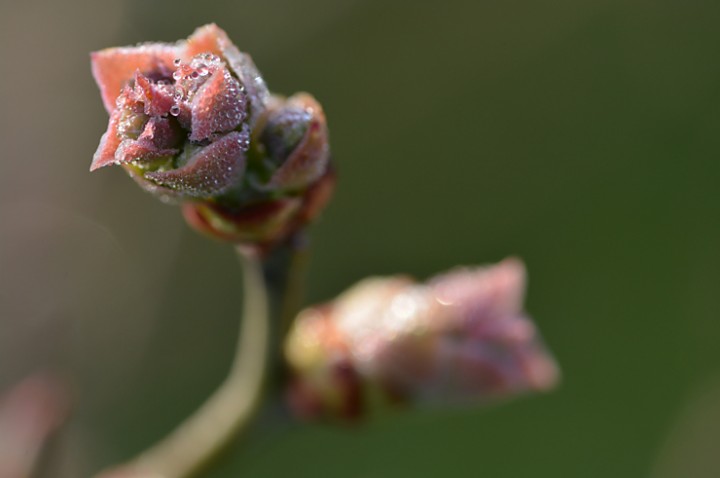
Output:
(462, 337)
(193, 122)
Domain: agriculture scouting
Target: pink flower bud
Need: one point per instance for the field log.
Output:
(177, 119)
(30, 412)
(193, 121)
(462, 337)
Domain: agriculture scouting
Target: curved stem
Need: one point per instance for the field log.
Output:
(195, 441)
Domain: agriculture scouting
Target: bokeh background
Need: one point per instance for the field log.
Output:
(580, 135)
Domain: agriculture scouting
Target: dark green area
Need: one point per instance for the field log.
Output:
(581, 136)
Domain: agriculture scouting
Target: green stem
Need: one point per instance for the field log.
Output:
(229, 410)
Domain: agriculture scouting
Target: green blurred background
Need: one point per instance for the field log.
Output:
(579, 135)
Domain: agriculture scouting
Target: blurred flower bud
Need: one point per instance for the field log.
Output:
(128, 471)
(193, 121)
(29, 413)
(462, 337)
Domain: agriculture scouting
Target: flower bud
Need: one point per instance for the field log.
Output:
(30, 412)
(194, 122)
(462, 337)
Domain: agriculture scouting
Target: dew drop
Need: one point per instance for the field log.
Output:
(175, 110)
(194, 75)
(176, 62)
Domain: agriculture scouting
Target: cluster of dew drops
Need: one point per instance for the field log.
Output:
(189, 77)
(190, 71)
